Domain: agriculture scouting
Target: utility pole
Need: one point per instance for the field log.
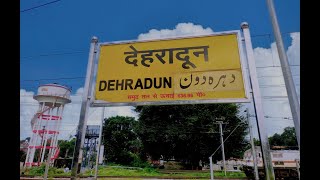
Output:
(252, 147)
(84, 107)
(222, 145)
(99, 143)
(287, 75)
(298, 166)
(210, 158)
(47, 165)
(211, 168)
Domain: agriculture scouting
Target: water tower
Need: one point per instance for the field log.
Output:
(46, 124)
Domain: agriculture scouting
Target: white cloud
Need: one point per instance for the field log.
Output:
(181, 30)
(294, 59)
(28, 107)
(272, 85)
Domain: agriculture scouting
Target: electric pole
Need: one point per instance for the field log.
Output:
(252, 147)
(222, 144)
(287, 75)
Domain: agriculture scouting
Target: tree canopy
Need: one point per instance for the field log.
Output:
(188, 133)
(66, 147)
(119, 139)
(287, 138)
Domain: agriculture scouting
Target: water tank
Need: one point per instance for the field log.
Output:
(53, 93)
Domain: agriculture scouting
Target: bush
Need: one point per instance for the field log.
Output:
(137, 162)
(54, 170)
(39, 171)
(36, 171)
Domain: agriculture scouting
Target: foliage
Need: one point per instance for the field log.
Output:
(256, 142)
(287, 138)
(125, 171)
(138, 162)
(147, 172)
(36, 171)
(119, 139)
(188, 134)
(132, 172)
(39, 171)
(66, 147)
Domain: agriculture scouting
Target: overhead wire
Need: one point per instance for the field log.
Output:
(34, 7)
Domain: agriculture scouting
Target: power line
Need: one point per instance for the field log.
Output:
(276, 66)
(53, 54)
(277, 76)
(51, 2)
(52, 79)
(269, 34)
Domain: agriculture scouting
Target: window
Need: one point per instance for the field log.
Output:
(279, 163)
(235, 167)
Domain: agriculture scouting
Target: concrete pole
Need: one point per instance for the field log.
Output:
(211, 167)
(84, 107)
(222, 147)
(99, 144)
(298, 167)
(256, 174)
(47, 166)
(257, 102)
(287, 75)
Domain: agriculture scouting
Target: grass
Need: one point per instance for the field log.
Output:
(122, 171)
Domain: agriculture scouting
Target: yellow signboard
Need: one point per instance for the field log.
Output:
(171, 71)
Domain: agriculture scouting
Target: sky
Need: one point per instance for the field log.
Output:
(55, 40)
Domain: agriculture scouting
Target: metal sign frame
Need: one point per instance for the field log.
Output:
(88, 98)
(246, 99)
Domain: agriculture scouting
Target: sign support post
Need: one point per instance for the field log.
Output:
(84, 107)
(265, 148)
(99, 144)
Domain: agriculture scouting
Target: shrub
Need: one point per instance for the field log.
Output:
(36, 171)
(137, 162)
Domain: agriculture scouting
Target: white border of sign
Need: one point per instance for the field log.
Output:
(100, 103)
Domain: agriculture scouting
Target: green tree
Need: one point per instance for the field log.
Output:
(256, 142)
(287, 138)
(188, 134)
(119, 139)
(66, 147)
(276, 140)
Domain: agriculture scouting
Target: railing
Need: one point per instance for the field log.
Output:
(67, 96)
